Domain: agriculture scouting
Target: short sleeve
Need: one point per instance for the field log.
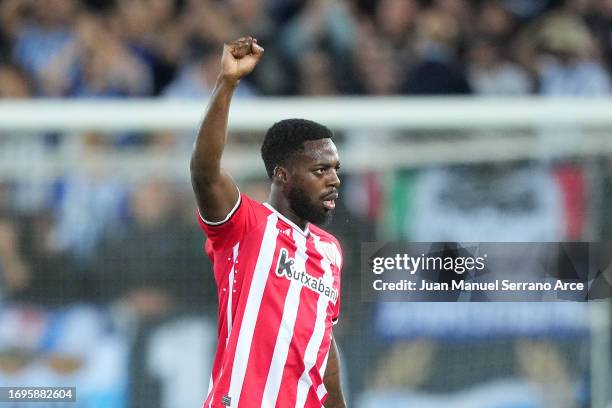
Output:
(245, 215)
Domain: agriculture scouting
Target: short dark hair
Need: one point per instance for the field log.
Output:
(286, 138)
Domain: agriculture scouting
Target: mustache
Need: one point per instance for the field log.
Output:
(331, 194)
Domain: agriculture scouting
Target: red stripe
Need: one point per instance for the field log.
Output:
(304, 325)
(266, 329)
(312, 400)
(243, 274)
(303, 330)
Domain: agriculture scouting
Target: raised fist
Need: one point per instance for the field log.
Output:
(240, 57)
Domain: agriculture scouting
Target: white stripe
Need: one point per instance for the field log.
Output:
(285, 334)
(321, 391)
(231, 290)
(210, 387)
(314, 344)
(258, 283)
(338, 255)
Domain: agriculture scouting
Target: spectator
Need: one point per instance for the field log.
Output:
(601, 22)
(151, 271)
(85, 204)
(491, 74)
(438, 71)
(567, 61)
(495, 21)
(97, 64)
(377, 72)
(316, 76)
(18, 150)
(153, 31)
(395, 20)
(150, 261)
(145, 47)
(320, 24)
(40, 29)
(461, 11)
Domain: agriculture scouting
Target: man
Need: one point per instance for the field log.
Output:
(278, 275)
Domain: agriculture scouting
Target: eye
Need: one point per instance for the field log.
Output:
(319, 171)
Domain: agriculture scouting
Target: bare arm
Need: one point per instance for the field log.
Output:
(335, 398)
(215, 190)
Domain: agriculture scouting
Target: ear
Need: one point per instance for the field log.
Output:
(280, 175)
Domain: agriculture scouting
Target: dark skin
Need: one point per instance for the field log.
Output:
(313, 170)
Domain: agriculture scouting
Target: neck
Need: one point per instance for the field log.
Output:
(280, 202)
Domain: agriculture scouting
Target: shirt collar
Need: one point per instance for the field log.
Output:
(305, 231)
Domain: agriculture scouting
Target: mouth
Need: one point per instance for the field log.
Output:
(329, 201)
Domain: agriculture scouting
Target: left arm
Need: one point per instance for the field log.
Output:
(335, 398)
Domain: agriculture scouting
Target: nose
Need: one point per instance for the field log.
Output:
(334, 180)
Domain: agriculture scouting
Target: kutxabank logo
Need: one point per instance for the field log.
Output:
(285, 267)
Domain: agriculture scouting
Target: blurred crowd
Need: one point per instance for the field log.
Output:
(131, 48)
(103, 280)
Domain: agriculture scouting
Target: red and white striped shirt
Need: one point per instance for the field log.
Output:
(279, 294)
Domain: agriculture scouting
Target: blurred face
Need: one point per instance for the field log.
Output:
(439, 27)
(312, 181)
(377, 69)
(395, 16)
(55, 11)
(495, 20)
(483, 55)
(161, 10)
(12, 84)
(316, 74)
(151, 202)
(247, 11)
(137, 18)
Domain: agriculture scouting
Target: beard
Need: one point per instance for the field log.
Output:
(306, 209)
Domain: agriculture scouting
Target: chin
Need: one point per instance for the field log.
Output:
(314, 215)
(323, 219)
(308, 210)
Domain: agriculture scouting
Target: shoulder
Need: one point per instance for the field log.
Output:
(253, 203)
(246, 216)
(256, 210)
(244, 206)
